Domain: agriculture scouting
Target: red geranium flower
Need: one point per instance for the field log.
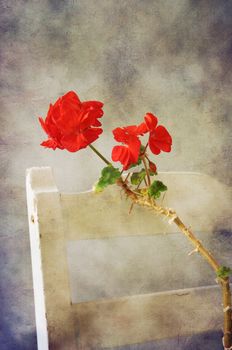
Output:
(128, 153)
(71, 124)
(159, 138)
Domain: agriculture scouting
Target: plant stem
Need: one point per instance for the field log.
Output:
(145, 148)
(145, 181)
(139, 184)
(199, 247)
(172, 216)
(147, 171)
(99, 154)
(127, 177)
(227, 339)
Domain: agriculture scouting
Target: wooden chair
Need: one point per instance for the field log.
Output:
(103, 278)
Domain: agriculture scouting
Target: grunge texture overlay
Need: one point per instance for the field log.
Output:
(172, 58)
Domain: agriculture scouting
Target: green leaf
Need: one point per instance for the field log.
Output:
(137, 177)
(156, 188)
(224, 271)
(109, 176)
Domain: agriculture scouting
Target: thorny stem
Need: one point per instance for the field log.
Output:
(227, 339)
(173, 217)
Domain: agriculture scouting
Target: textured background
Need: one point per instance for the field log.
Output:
(170, 57)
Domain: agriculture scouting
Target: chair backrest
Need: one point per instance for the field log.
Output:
(104, 278)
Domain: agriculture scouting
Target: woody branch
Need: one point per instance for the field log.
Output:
(173, 217)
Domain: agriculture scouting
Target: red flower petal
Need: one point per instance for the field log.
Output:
(50, 128)
(42, 123)
(149, 124)
(50, 143)
(123, 134)
(127, 154)
(121, 154)
(92, 104)
(151, 121)
(89, 118)
(72, 97)
(153, 147)
(91, 134)
(96, 123)
(69, 118)
(131, 129)
(120, 135)
(75, 142)
(142, 129)
(65, 112)
(160, 139)
(134, 146)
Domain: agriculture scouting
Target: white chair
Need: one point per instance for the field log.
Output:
(103, 278)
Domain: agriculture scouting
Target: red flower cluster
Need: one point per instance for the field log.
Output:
(71, 124)
(128, 153)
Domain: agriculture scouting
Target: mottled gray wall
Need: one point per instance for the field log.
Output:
(170, 57)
